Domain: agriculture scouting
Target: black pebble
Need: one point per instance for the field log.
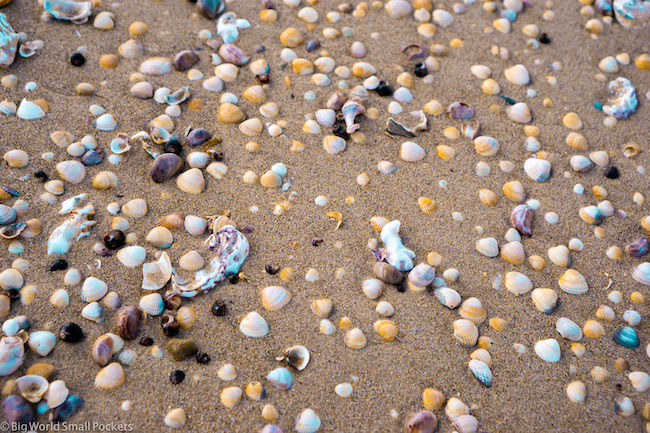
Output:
(316, 242)
(177, 377)
(114, 239)
(77, 59)
(173, 146)
(312, 45)
(59, 265)
(544, 39)
(384, 89)
(219, 309)
(233, 279)
(260, 49)
(611, 172)
(146, 341)
(202, 358)
(272, 270)
(420, 70)
(14, 294)
(71, 333)
(402, 287)
(339, 131)
(41, 175)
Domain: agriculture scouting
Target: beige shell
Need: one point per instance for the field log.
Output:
(270, 413)
(172, 221)
(251, 127)
(544, 299)
(254, 325)
(104, 180)
(191, 181)
(559, 255)
(227, 72)
(487, 196)
(56, 394)
(191, 261)
(110, 376)
(275, 297)
(518, 283)
(432, 399)
(482, 355)
(573, 282)
(472, 310)
(536, 262)
(255, 391)
(16, 158)
(231, 396)
(465, 332)
(355, 339)
(32, 387)
(269, 110)
(136, 208)
(73, 172)
(175, 418)
(60, 298)
(270, 179)
(230, 113)
(593, 329)
(62, 138)
(577, 141)
(386, 329)
(513, 252)
(455, 408)
(605, 312)
(515, 191)
(576, 391)
(186, 316)
(160, 237)
(55, 187)
(254, 94)
(227, 372)
(217, 170)
(489, 247)
(322, 307)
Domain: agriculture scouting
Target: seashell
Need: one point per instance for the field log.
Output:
(93, 289)
(152, 304)
(626, 337)
(590, 215)
(641, 273)
(136, 208)
(16, 158)
(465, 424)
(322, 307)
(486, 146)
(105, 122)
(355, 339)
(311, 127)
(186, 317)
(605, 312)
(42, 342)
(545, 300)
(411, 152)
(32, 387)
(27, 295)
(27, 110)
(191, 181)
(156, 66)
(513, 252)
(112, 300)
(537, 169)
(548, 350)
(456, 408)
(387, 273)
(577, 141)
(518, 75)
(195, 225)
(11, 354)
(92, 312)
(447, 297)
(191, 261)
(56, 394)
(7, 215)
(217, 170)
(104, 348)
(156, 274)
(73, 172)
(580, 163)
(334, 144)
(307, 422)
(280, 378)
(638, 247)
(11, 279)
(255, 391)
(55, 187)
(465, 332)
(421, 276)
(160, 237)
(624, 406)
(110, 377)
(573, 282)
(482, 372)
(230, 113)
(351, 109)
(254, 325)
(472, 310)
(213, 84)
(384, 308)
(519, 112)
(514, 190)
(251, 127)
(593, 329)
(423, 421)
(297, 357)
(386, 329)
(568, 329)
(521, 218)
(231, 396)
(489, 247)
(176, 417)
(576, 391)
(131, 49)
(226, 72)
(559, 255)
(432, 399)
(104, 180)
(372, 288)
(269, 110)
(275, 297)
(518, 283)
(623, 101)
(227, 372)
(60, 298)
(177, 97)
(326, 117)
(640, 380)
(128, 322)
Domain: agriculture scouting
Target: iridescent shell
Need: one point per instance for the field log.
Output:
(66, 10)
(481, 371)
(521, 218)
(280, 378)
(8, 42)
(307, 422)
(623, 102)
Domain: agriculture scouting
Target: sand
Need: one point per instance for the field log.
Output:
(528, 395)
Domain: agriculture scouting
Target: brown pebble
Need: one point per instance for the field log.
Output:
(621, 364)
(138, 28)
(181, 348)
(85, 89)
(109, 61)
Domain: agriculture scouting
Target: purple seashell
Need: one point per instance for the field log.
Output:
(270, 428)
(638, 248)
(17, 410)
(93, 157)
(185, 60)
(522, 219)
(101, 250)
(70, 406)
(198, 136)
(604, 6)
(422, 422)
(460, 110)
(231, 53)
(166, 166)
(312, 45)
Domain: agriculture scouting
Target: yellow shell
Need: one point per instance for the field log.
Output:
(291, 37)
(251, 127)
(172, 221)
(302, 66)
(593, 329)
(270, 413)
(255, 391)
(230, 113)
(386, 329)
(110, 376)
(573, 282)
(536, 262)
(191, 181)
(472, 310)
(104, 180)
(186, 317)
(355, 339)
(498, 323)
(605, 312)
(445, 152)
(270, 179)
(231, 396)
(465, 332)
(645, 222)
(514, 190)
(490, 86)
(427, 205)
(62, 138)
(363, 69)
(577, 141)
(432, 399)
(286, 274)
(345, 322)
(482, 355)
(487, 196)
(322, 307)
(378, 222)
(163, 121)
(572, 121)
(254, 94)
(643, 62)
(160, 237)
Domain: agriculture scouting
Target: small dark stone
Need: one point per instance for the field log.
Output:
(339, 131)
(420, 70)
(619, 387)
(401, 287)
(71, 333)
(260, 49)
(384, 89)
(272, 270)
(169, 325)
(219, 309)
(93, 157)
(114, 239)
(544, 39)
(316, 242)
(58, 265)
(233, 279)
(312, 45)
(77, 59)
(611, 172)
(202, 358)
(177, 376)
(42, 176)
(173, 146)
(165, 166)
(14, 294)
(146, 341)
(185, 60)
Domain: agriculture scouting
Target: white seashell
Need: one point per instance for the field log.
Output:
(600, 158)
(537, 169)
(132, 256)
(568, 329)
(576, 391)
(198, 159)
(518, 283)
(32, 387)
(231, 396)
(73, 172)
(275, 297)
(110, 376)
(519, 112)
(384, 308)
(489, 247)
(213, 84)
(227, 72)
(156, 66)
(465, 424)
(175, 418)
(334, 144)
(640, 380)
(412, 152)
(327, 327)
(11, 279)
(93, 289)
(403, 95)
(421, 275)
(481, 371)
(93, 312)
(486, 146)
(217, 170)
(56, 394)
(60, 298)
(152, 304)
(513, 252)
(136, 208)
(641, 273)
(518, 75)
(559, 255)
(343, 390)
(105, 122)
(448, 297)
(29, 111)
(156, 274)
(269, 110)
(227, 372)
(399, 256)
(456, 408)
(544, 300)
(548, 350)
(632, 317)
(386, 167)
(480, 71)
(160, 237)
(471, 309)
(308, 421)
(355, 339)
(465, 332)
(580, 163)
(191, 181)
(195, 225)
(573, 282)
(131, 49)
(372, 288)
(254, 325)
(42, 342)
(325, 117)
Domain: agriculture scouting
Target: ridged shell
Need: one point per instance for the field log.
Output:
(573, 282)
(60, 298)
(455, 408)
(56, 394)
(269, 110)
(548, 350)
(195, 225)
(230, 113)
(486, 146)
(641, 273)
(136, 208)
(640, 380)
(481, 371)
(432, 399)
(487, 197)
(172, 221)
(545, 300)
(355, 339)
(537, 169)
(626, 337)
(231, 396)
(275, 297)
(472, 310)
(518, 283)
(110, 377)
(448, 297)
(334, 144)
(489, 247)
(160, 237)
(93, 289)
(73, 172)
(104, 180)
(191, 261)
(465, 332)
(132, 256)
(93, 312)
(186, 316)
(521, 218)
(307, 422)
(386, 329)
(254, 325)
(576, 391)
(251, 127)
(270, 179)
(513, 252)
(465, 424)
(322, 307)
(175, 418)
(514, 190)
(42, 342)
(191, 181)
(112, 300)
(593, 329)
(372, 288)
(568, 329)
(152, 304)
(254, 94)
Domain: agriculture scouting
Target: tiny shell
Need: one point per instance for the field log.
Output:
(175, 418)
(576, 391)
(518, 283)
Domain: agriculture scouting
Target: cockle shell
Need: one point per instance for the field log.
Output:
(432, 399)
(521, 218)
(175, 418)
(640, 380)
(486, 146)
(421, 275)
(160, 237)
(573, 282)
(322, 307)
(373, 288)
(544, 300)
(626, 337)
(455, 408)
(191, 181)
(93, 289)
(334, 144)
(423, 421)
(386, 329)
(254, 325)
(580, 163)
(465, 424)
(132, 256)
(56, 394)
(231, 396)
(448, 297)
(537, 169)
(136, 208)
(472, 310)
(465, 332)
(110, 377)
(514, 190)
(481, 371)
(568, 329)
(641, 273)
(355, 339)
(104, 180)
(152, 304)
(9, 42)
(11, 279)
(513, 252)
(518, 283)
(559, 255)
(489, 247)
(71, 171)
(280, 378)
(42, 342)
(307, 422)
(275, 297)
(576, 391)
(519, 112)
(548, 350)
(517, 74)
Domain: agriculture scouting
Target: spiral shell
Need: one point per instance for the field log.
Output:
(275, 297)
(573, 282)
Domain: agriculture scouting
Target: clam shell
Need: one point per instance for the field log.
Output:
(411, 152)
(545, 300)
(465, 424)
(593, 329)
(518, 75)
(217, 170)
(448, 297)
(326, 117)
(230, 113)
(275, 297)
(537, 169)
(573, 282)
(255, 391)
(42, 342)
(160, 237)
(175, 418)
(580, 164)
(384, 308)
(270, 179)
(191, 181)
(514, 190)
(423, 421)
(198, 160)
(105, 122)
(280, 378)
(387, 273)
(56, 394)
(128, 322)
(307, 422)
(626, 337)
(517, 283)
(465, 332)
(104, 180)
(132, 256)
(254, 325)
(195, 225)
(60, 298)
(641, 273)
(640, 380)
(110, 377)
(191, 261)
(568, 329)
(92, 311)
(31, 387)
(73, 172)
(297, 357)
(489, 247)
(152, 304)
(156, 66)
(481, 371)
(136, 208)
(227, 372)
(432, 399)
(472, 310)
(486, 146)
(372, 288)
(455, 408)
(93, 289)
(513, 252)
(7, 215)
(251, 127)
(576, 391)
(559, 255)
(422, 275)
(231, 396)
(519, 112)
(16, 158)
(254, 94)
(103, 349)
(334, 144)
(355, 339)
(11, 279)
(548, 350)
(227, 72)
(322, 307)
(269, 110)
(186, 317)
(28, 110)
(386, 329)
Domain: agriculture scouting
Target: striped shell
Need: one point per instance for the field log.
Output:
(576, 391)
(254, 325)
(573, 282)
(110, 376)
(275, 297)
(545, 300)
(513, 252)
(465, 332)
(548, 350)
(489, 247)
(322, 307)
(355, 339)
(559, 255)
(472, 310)
(481, 371)
(93, 289)
(231, 396)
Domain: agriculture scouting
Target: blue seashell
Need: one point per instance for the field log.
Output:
(228, 27)
(12, 352)
(626, 337)
(481, 371)
(280, 378)
(632, 13)
(623, 102)
(17, 410)
(66, 10)
(211, 8)
(509, 14)
(68, 408)
(27, 110)
(93, 157)
(8, 42)
(603, 5)
(198, 136)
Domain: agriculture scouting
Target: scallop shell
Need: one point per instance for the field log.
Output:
(537, 169)
(568, 329)
(322, 307)
(136, 208)
(93, 289)
(28, 110)
(160, 237)
(576, 391)
(472, 310)
(545, 300)
(110, 377)
(307, 422)
(73, 172)
(518, 283)
(573, 282)
(548, 350)
(191, 181)
(231, 396)
(489, 247)
(254, 325)
(275, 297)
(31, 387)
(251, 127)
(641, 273)
(448, 297)
(42, 342)
(559, 255)
(465, 332)
(152, 304)
(481, 371)
(514, 190)
(513, 252)
(56, 394)
(355, 339)
(386, 329)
